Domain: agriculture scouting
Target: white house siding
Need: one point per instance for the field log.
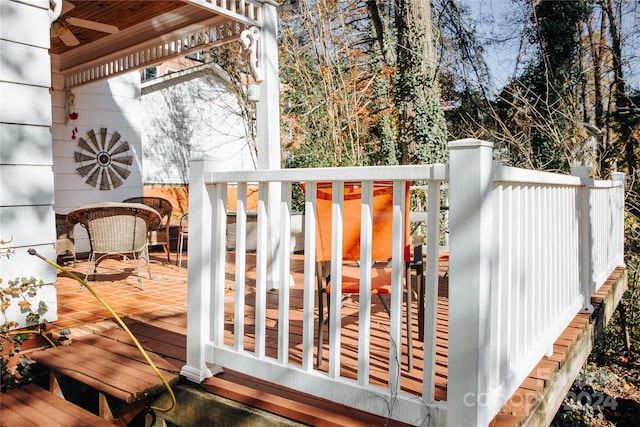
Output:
(193, 115)
(113, 104)
(26, 178)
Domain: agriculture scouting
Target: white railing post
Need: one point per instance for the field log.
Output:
(199, 275)
(430, 308)
(268, 133)
(585, 236)
(309, 277)
(618, 177)
(470, 244)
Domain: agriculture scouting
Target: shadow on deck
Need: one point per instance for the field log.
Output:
(157, 316)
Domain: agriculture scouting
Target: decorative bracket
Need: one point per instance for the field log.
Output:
(54, 13)
(249, 40)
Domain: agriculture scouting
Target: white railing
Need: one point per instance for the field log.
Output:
(206, 316)
(535, 282)
(606, 201)
(522, 255)
(246, 11)
(522, 264)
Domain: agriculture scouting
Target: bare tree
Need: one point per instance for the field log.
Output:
(329, 84)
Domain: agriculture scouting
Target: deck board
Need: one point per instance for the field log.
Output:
(32, 405)
(91, 360)
(298, 406)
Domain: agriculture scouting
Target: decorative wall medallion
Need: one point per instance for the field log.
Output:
(104, 159)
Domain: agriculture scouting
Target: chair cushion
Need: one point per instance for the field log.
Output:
(380, 280)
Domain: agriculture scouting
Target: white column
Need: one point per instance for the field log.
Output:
(470, 244)
(268, 130)
(27, 196)
(199, 276)
(585, 237)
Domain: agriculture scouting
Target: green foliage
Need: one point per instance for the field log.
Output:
(15, 368)
(470, 113)
(538, 111)
(383, 116)
(557, 30)
(627, 126)
(620, 343)
(19, 291)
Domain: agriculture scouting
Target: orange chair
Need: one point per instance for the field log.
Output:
(381, 249)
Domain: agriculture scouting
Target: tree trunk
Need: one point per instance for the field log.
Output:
(597, 53)
(623, 120)
(421, 125)
(381, 33)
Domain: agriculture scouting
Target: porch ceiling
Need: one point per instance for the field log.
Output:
(149, 32)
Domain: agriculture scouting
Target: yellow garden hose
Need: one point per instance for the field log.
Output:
(121, 323)
(33, 331)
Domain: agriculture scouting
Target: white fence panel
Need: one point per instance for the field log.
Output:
(536, 288)
(386, 401)
(607, 207)
(527, 249)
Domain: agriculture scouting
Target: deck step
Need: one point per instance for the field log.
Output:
(31, 405)
(116, 371)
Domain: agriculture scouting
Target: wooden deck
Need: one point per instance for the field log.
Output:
(161, 327)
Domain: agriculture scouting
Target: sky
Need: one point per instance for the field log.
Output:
(496, 22)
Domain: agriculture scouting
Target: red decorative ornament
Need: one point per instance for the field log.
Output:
(74, 129)
(72, 113)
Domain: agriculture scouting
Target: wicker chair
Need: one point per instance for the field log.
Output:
(116, 229)
(158, 236)
(65, 243)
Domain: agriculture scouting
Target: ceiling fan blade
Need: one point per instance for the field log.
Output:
(92, 25)
(65, 35)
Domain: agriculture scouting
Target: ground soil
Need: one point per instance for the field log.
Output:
(607, 391)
